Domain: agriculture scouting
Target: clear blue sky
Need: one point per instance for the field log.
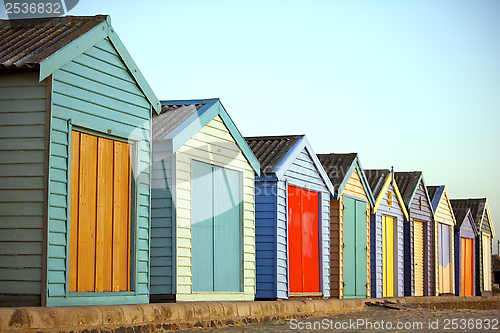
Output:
(409, 84)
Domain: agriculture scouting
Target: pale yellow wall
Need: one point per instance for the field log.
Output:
(223, 151)
(444, 214)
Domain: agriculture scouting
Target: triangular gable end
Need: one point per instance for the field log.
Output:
(470, 218)
(81, 44)
(487, 211)
(399, 197)
(446, 201)
(421, 182)
(356, 165)
(211, 109)
(293, 153)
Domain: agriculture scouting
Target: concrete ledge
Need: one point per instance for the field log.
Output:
(453, 302)
(172, 316)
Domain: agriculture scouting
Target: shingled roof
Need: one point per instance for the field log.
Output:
(376, 179)
(337, 166)
(27, 42)
(270, 150)
(460, 214)
(170, 117)
(476, 206)
(407, 184)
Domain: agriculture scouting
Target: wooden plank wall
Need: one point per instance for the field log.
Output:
(423, 215)
(22, 135)
(336, 248)
(212, 144)
(162, 207)
(266, 239)
(485, 229)
(303, 173)
(96, 92)
(443, 214)
(376, 248)
(282, 244)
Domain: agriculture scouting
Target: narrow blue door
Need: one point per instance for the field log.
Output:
(202, 234)
(355, 248)
(349, 227)
(361, 250)
(228, 231)
(216, 230)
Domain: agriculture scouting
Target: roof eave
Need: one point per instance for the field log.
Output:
(81, 44)
(212, 108)
(293, 153)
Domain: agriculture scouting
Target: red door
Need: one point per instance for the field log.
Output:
(303, 240)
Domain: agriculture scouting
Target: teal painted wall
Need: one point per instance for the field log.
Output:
(22, 135)
(97, 93)
(162, 251)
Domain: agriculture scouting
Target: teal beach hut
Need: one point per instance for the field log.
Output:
(75, 115)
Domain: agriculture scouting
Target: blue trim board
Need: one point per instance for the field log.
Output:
(212, 108)
(437, 197)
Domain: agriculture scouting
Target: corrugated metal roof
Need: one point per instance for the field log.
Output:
(407, 183)
(376, 179)
(476, 206)
(29, 41)
(270, 150)
(337, 166)
(170, 117)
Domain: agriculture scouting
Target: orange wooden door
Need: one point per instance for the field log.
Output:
(100, 214)
(467, 278)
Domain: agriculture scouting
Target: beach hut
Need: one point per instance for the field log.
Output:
(418, 235)
(349, 226)
(386, 235)
(485, 234)
(443, 240)
(75, 116)
(202, 216)
(292, 219)
(465, 235)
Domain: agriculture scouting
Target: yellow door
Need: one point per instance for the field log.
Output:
(388, 255)
(418, 255)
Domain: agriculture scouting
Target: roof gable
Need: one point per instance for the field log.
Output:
(479, 210)
(340, 167)
(408, 183)
(180, 120)
(379, 181)
(464, 215)
(270, 150)
(279, 152)
(439, 197)
(51, 43)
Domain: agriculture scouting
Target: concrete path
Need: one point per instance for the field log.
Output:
(173, 316)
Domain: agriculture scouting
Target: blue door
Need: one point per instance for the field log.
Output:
(355, 248)
(217, 237)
